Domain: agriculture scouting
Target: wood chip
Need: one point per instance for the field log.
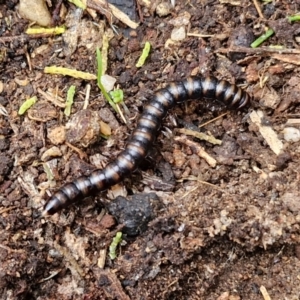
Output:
(101, 258)
(3, 111)
(70, 260)
(105, 129)
(260, 50)
(288, 58)
(200, 135)
(115, 11)
(293, 122)
(81, 154)
(198, 149)
(111, 285)
(231, 2)
(56, 100)
(267, 132)
(264, 292)
(269, 98)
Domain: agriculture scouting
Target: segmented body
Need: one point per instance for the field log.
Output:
(142, 137)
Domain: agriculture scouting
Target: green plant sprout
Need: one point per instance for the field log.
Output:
(262, 38)
(114, 244)
(70, 100)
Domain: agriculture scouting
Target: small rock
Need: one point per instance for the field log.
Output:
(282, 160)
(105, 129)
(163, 9)
(4, 142)
(42, 112)
(57, 135)
(6, 163)
(107, 221)
(35, 11)
(240, 37)
(178, 34)
(107, 116)
(291, 134)
(183, 19)
(108, 82)
(179, 158)
(292, 201)
(83, 128)
(135, 214)
(224, 296)
(270, 99)
(297, 251)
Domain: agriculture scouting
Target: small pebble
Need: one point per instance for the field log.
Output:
(178, 34)
(105, 128)
(240, 37)
(224, 296)
(35, 11)
(163, 9)
(291, 134)
(57, 135)
(1, 87)
(108, 82)
(182, 19)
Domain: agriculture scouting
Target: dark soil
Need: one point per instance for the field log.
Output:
(225, 232)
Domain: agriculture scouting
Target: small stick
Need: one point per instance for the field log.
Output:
(198, 149)
(97, 4)
(260, 50)
(258, 9)
(212, 120)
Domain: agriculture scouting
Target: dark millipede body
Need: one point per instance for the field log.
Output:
(142, 137)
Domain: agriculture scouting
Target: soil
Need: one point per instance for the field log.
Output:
(226, 232)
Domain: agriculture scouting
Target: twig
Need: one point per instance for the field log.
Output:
(55, 14)
(6, 209)
(28, 60)
(87, 96)
(264, 293)
(81, 154)
(11, 250)
(98, 4)
(200, 135)
(262, 38)
(258, 9)
(198, 149)
(267, 132)
(140, 11)
(213, 120)
(200, 35)
(54, 99)
(193, 178)
(9, 39)
(260, 50)
(112, 287)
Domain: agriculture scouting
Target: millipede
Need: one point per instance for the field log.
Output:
(143, 135)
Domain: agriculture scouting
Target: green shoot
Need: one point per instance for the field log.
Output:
(70, 100)
(100, 85)
(78, 3)
(117, 96)
(113, 246)
(144, 55)
(262, 38)
(294, 18)
(26, 105)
